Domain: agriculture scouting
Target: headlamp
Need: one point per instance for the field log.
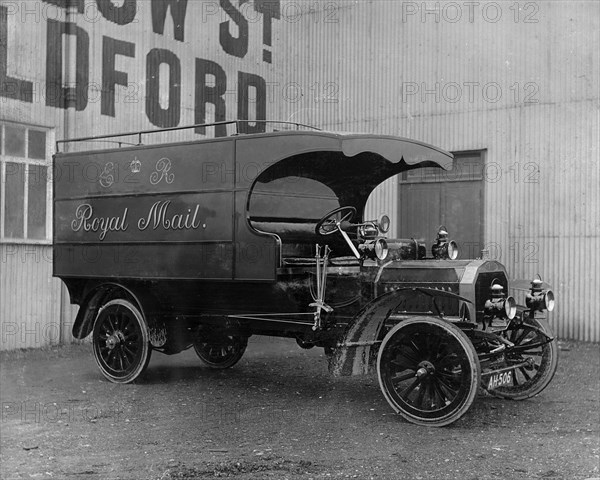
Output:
(381, 249)
(375, 249)
(452, 250)
(499, 305)
(539, 299)
(383, 224)
(444, 249)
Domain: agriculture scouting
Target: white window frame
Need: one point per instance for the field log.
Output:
(26, 161)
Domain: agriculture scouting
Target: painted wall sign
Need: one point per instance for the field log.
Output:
(163, 32)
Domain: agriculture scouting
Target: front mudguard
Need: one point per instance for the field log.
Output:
(356, 352)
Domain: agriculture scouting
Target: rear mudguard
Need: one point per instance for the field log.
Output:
(99, 294)
(357, 350)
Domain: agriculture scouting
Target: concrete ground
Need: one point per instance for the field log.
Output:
(278, 414)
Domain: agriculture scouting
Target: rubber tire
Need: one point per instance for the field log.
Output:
(469, 383)
(230, 361)
(143, 342)
(548, 366)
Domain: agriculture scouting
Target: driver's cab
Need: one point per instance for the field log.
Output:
(311, 199)
(290, 208)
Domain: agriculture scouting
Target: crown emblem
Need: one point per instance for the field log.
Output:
(135, 165)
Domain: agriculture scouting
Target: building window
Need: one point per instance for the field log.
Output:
(25, 163)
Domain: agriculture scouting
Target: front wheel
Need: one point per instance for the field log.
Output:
(530, 340)
(428, 371)
(121, 341)
(222, 351)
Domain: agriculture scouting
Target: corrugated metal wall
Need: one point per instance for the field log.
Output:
(521, 83)
(30, 299)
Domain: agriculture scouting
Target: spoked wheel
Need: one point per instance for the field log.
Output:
(428, 371)
(120, 340)
(530, 339)
(221, 351)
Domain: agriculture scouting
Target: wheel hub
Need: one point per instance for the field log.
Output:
(425, 368)
(115, 339)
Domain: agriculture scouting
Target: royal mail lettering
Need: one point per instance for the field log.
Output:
(85, 220)
(160, 216)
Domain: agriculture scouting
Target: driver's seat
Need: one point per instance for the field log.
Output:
(298, 238)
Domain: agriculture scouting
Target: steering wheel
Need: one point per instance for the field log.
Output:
(329, 225)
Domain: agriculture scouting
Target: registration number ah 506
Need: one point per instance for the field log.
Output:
(500, 379)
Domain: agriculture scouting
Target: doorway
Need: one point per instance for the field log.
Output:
(430, 197)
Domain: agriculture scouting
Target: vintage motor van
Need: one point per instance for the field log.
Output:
(204, 243)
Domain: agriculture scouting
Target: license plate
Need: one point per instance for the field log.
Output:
(500, 379)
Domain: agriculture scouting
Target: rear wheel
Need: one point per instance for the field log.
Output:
(221, 351)
(121, 342)
(428, 371)
(530, 340)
